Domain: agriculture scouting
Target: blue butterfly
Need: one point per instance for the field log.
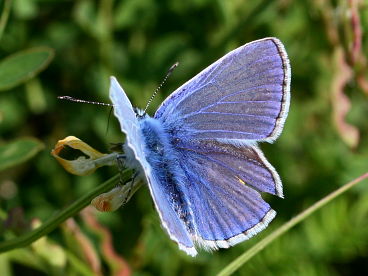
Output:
(199, 152)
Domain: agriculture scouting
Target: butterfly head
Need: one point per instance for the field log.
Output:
(141, 114)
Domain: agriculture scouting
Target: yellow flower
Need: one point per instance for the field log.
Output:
(105, 202)
(82, 165)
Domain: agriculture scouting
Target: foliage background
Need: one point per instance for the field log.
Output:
(324, 143)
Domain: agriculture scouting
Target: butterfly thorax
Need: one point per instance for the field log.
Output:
(163, 160)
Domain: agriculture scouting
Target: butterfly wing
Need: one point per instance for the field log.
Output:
(225, 210)
(243, 96)
(215, 121)
(129, 124)
(134, 147)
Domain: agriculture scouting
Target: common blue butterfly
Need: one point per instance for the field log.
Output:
(199, 152)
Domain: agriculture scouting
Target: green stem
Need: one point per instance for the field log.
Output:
(63, 215)
(5, 16)
(239, 261)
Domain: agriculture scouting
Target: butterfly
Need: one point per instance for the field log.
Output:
(199, 153)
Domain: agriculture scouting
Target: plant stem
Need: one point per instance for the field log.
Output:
(4, 16)
(63, 215)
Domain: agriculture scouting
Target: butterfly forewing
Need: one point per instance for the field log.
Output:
(242, 96)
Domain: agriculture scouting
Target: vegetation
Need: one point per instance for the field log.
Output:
(53, 48)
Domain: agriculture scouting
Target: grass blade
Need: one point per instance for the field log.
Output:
(242, 259)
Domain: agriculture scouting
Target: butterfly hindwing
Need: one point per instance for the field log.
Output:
(247, 163)
(226, 207)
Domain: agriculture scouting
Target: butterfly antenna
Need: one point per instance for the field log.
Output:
(161, 84)
(68, 98)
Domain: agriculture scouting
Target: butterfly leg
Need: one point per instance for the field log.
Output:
(119, 195)
(121, 164)
(120, 159)
(131, 184)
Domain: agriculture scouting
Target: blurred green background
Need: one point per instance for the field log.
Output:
(324, 143)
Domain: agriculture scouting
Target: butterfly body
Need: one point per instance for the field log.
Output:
(163, 159)
(199, 152)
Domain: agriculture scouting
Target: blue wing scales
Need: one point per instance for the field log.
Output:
(225, 210)
(243, 96)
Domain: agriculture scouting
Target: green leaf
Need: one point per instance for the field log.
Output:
(18, 151)
(22, 66)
